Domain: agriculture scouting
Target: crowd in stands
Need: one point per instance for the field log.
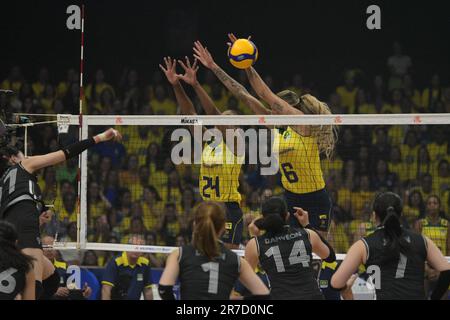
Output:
(134, 188)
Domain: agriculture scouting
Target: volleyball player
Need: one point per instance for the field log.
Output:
(21, 201)
(398, 253)
(299, 147)
(16, 268)
(219, 177)
(285, 253)
(206, 268)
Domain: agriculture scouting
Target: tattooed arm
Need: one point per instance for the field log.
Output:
(238, 90)
(279, 106)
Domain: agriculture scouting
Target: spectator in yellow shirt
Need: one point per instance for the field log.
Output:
(47, 98)
(396, 105)
(105, 103)
(68, 213)
(95, 89)
(169, 226)
(14, 80)
(435, 225)
(362, 106)
(347, 92)
(161, 103)
(426, 186)
(64, 86)
(442, 179)
(130, 175)
(43, 81)
(188, 202)
(338, 236)
(123, 208)
(361, 200)
(432, 95)
(410, 151)
(412, 94)
(96, 202)
(152, 207)
(378, 93)
(101, 230)
(153, 159)
(414, 207)
(438, 148)
(172, 191)
(423, 164)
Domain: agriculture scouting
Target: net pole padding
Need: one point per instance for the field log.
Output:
(83, 180)
(257, 120)
(80, 134)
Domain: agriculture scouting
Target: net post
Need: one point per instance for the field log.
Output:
(82, 207)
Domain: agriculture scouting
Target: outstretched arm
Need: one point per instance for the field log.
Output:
(279, 106)
(238, 90)
(186, 105)
(35, 163)
(190, 77)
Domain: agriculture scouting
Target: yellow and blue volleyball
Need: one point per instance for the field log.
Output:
(243, 53)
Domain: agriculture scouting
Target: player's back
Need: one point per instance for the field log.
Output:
(16, 185)
(202, 278)
(287, 259)
(12, 282)
(401, 278)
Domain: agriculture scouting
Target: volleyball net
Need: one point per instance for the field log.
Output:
(149, 184)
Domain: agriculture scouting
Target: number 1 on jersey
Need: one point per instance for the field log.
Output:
(213, 269)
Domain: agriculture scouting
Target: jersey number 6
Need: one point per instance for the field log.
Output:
(289, 172)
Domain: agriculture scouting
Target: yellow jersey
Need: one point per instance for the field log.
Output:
(299, 161)
(219, 174)
(437, 232)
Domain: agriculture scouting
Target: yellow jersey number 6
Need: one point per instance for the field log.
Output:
(210, 185)
(289, 172)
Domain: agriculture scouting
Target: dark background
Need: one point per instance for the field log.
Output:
(318, 39)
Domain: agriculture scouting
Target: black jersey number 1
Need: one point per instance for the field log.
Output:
(289, 172)
(11, 176)
(210, 184)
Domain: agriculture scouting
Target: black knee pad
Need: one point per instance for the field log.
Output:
(50, 286)
(39, 289)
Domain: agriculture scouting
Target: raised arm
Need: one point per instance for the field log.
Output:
(186, 105)
(190, 77)
(238, 90)
(278, 105)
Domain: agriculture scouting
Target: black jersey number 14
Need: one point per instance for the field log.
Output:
(298, 255)
(211, 184)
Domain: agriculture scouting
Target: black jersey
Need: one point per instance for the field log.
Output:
(201, 278)
(12, 282)
(16, 185)
(287, 259)
(402, 278)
